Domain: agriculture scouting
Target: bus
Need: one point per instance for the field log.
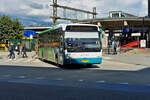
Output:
(71, 44)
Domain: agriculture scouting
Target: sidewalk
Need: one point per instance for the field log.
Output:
(19, 61)
(137, 59)
(4, 55)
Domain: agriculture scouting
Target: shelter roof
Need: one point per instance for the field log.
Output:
(119, 22)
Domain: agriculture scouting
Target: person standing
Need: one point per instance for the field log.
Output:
(109, 46)
(36, 51)
(24, 54)
(116, 46)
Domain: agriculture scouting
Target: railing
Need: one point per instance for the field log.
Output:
(130, 45)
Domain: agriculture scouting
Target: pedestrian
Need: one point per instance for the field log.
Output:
(19, 49)
(36, 51)
(24, 54)
(11, 51)
(109, 45)
(115, 46)
(8, 46)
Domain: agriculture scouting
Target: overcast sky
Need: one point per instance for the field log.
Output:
(39, 11)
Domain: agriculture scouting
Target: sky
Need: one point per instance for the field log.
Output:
(32, 12)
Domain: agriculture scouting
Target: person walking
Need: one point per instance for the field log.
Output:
(24, 54)
(19, 49)
(11, 50)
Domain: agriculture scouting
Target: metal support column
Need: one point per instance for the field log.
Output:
(55, 17)
(54, 12)
(94, 12)
(148, 42)
(148, 8)
(64, 14)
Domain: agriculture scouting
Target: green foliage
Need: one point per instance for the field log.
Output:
(10, 29)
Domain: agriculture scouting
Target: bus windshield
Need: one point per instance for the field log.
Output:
(83, 45)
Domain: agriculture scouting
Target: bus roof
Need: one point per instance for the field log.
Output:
(63, 26)
(76, 24)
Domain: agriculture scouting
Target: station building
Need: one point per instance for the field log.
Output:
(125, 27)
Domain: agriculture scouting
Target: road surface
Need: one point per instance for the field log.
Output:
(33, 79)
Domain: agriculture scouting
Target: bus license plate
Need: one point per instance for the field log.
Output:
(85, 61)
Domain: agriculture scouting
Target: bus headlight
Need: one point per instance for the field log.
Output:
(67, 57)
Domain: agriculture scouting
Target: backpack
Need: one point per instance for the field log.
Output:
(11, 48)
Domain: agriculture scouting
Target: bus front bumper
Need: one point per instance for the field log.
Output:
(84, 61)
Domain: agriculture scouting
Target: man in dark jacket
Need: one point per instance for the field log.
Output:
(11, 50)
(24, 55)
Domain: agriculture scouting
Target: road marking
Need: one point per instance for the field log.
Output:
(102, 81)
(107, 58)
(80, 80)
(40, 78)
(22, 77)
(6, 75)
(125, 83)
(148, 85)
(59, 79)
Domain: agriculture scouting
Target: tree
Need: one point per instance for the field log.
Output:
(10, 29)
(17, 29)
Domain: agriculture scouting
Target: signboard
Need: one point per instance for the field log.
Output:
(28, 33)
(117, 34)
(143, 44)
(136, 34)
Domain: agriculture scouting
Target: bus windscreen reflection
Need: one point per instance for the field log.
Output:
(82, 45)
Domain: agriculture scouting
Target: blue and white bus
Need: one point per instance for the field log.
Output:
(71, 44)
